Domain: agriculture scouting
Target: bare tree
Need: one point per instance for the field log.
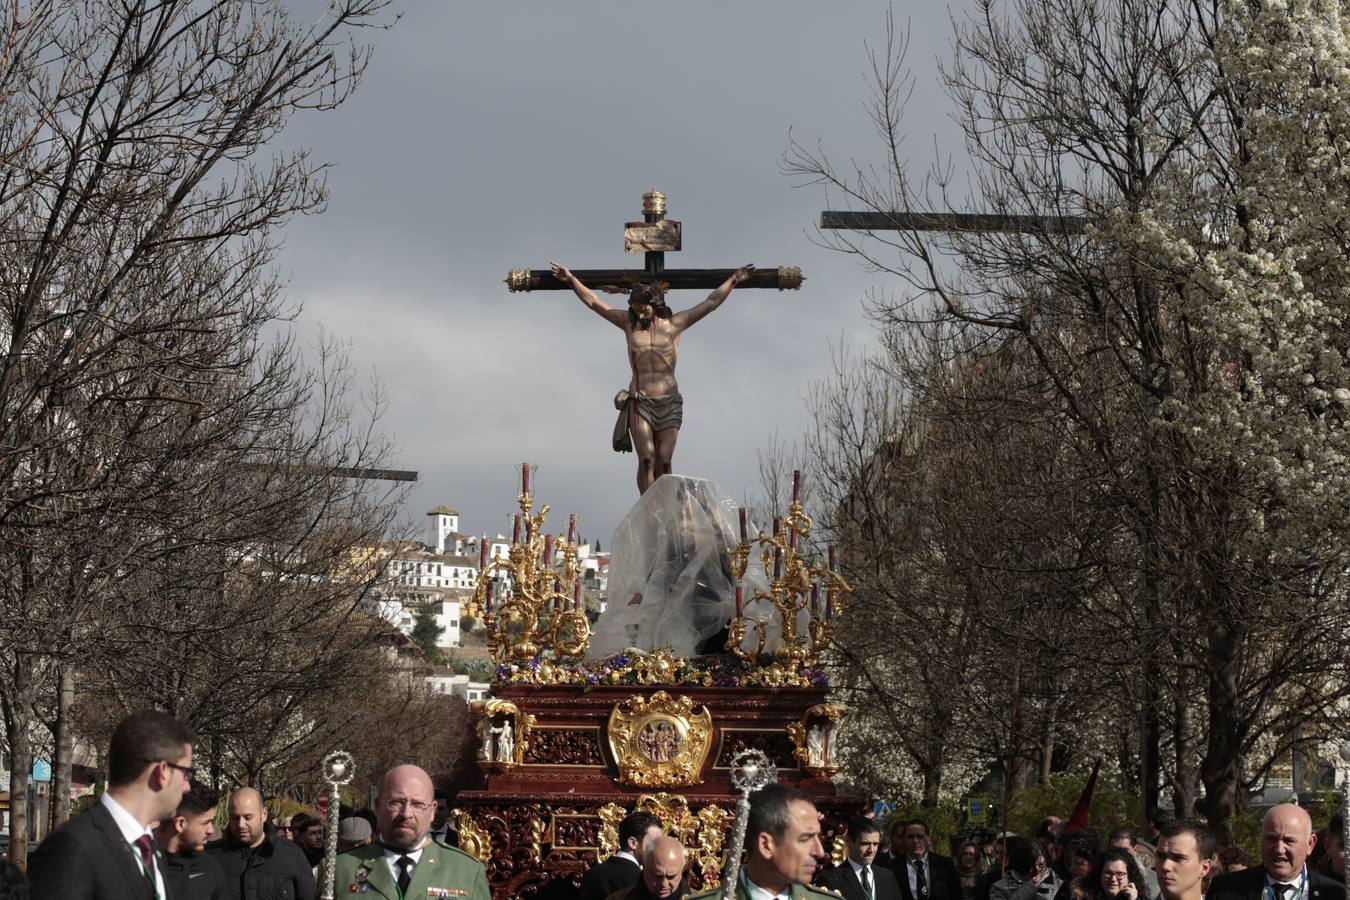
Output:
(138, 225)
(1123, 113)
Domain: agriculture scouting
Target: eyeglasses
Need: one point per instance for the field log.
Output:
(1117, 876)
(185, 770)
(420, 806)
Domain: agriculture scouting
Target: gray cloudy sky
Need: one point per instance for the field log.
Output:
(492, 135)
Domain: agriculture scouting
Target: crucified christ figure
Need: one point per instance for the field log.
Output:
(651, 410)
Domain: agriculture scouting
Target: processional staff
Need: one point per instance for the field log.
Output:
(751, 770)
(338, 769)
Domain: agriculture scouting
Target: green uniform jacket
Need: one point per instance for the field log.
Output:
(798, 892)
(442, 872)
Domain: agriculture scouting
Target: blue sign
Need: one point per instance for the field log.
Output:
(42, 770)
(881, 809)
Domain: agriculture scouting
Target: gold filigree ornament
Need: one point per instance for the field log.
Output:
(473, 838)
(611, 817)
(527, 611)
(814, 737)
(503, 733)
(713, 823)
(795, 585)
(659, 741)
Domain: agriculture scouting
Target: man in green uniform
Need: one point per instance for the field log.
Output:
(782, 847)
(404, 862)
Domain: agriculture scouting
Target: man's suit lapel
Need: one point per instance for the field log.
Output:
(853, 887)
(123, 855)
(901, 871)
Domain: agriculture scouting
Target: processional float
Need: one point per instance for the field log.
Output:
(700, 681)
(570, 743)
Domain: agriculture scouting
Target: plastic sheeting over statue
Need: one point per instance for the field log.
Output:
(670, 579)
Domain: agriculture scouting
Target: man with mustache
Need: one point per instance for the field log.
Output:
(403, 861)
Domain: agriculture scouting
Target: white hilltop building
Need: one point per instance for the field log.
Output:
(441, 574)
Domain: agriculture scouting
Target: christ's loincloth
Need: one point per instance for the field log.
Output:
(661, 413)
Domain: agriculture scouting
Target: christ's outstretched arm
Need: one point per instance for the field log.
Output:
(607, 312)
(684, 318)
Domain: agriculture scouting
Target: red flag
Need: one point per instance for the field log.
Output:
(1079, 819)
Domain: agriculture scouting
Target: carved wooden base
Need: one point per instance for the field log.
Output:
(542, 823)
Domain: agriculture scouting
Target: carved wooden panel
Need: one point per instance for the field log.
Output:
(775, 744)
(564, 747)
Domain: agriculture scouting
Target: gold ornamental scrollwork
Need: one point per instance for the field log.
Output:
(531, 599)
(473, 838)
(611, 817)
(800, 593)
(713, 825)
(660, 741)
(813, 738)
(503, 734)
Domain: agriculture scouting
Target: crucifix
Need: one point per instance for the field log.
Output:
(651, 409)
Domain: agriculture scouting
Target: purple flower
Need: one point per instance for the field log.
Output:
(620, 661)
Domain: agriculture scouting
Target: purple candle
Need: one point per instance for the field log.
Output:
(548, 549)
(832, 559)
(740, 600)
(741, 513)
(525, 479)
(572, 528)
(482, 554)
(796, 485)
(777, 563)
(515, 530)
(815, 598)
(487, 603)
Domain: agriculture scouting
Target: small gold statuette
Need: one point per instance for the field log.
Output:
(504, 732)
(660, 741)
(814, 738)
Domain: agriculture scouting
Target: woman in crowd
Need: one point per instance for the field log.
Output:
(1028, 876)
(1113, 875)
(968, 868)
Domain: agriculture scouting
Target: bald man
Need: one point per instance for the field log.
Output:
(1286, 840)
(662, 873)
(258, 866)
(404, 862)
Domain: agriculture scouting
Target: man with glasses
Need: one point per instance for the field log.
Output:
(109, 852)
(404, 862)
(259, 867)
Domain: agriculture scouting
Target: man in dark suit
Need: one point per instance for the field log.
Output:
(109, 852)
(622, 870)
(1286, 840)
(859, 878)
(924, 875)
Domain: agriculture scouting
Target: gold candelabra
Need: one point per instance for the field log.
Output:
(526, 609)
(795, 585)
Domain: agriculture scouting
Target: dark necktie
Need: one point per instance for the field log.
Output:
(920, 880)
(1281, 890)
(867, 882)
(405, 867)
(147, 848)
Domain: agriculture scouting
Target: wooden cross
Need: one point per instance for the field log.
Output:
(904, 220)
(654, 236)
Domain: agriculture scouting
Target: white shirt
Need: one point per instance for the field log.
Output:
(858, 870)
(624, 854)
(758, 893)
(131, 831)
(910, 866)
(391, 858)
